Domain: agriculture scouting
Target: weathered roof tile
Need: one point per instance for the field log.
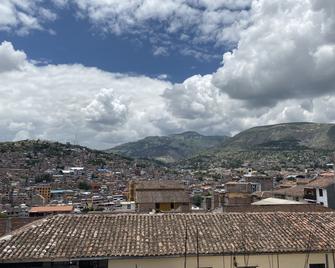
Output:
(105, 236)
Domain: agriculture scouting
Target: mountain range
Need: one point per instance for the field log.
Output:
(279, 137)
(169, 148)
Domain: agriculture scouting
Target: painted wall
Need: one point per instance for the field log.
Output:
(261, 261)
(322, 199)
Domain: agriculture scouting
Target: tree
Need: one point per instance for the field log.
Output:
(83, 185)
(197, 200)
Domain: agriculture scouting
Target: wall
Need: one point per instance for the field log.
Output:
(323, 198)
(331, 196)
(261, 261)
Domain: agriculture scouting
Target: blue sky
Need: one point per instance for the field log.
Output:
(75, 40)
(106, 72)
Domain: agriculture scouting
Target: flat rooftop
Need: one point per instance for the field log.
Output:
(46, 209)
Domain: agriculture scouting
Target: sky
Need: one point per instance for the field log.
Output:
(104, 72)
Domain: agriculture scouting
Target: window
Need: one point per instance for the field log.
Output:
(320, 192)
(318, 265)
(172, 205)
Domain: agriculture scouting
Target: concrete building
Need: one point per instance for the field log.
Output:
(161, 196)
(174, 240)
(44, 190)
(321, 191)
(265, 183)
(239, 193)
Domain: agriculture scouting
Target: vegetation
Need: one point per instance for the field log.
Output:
(168, 149)
(197, 200)
(83, 185)
(43, 178)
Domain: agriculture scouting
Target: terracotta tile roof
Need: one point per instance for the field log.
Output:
(162, 197)
(296, 191)
(64, 237)
(49, 209)
(321, 182)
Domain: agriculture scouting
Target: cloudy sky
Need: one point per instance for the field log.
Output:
(104, 72)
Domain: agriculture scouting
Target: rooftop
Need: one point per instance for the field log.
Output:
(277, 208)
(321, 182)
(159, 185)
(275, 201)
(51, 209)
(296, 191)
(64, 237)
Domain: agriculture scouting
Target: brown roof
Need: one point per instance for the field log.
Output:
(295, 191)
(152, 185)
(321, 182)
(162, 196)
(50, 209)
(64, 237)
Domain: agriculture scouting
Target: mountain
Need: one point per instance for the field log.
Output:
(286, 136)
(272, 147)
(35, 156)
(169, 148)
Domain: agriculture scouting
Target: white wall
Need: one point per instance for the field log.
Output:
(323, 198)
(262, 261)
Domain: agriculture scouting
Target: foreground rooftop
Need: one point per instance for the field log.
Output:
(105, 236)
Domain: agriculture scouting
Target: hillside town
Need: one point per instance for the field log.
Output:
(39, 179)
(167, 134)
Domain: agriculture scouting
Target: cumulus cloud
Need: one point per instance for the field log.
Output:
(105, 110)
(288, 52)
(10, 59)
(61, 102)
(282, 70)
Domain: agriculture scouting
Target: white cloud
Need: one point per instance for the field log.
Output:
(282, 70)
(24, 16)
(105, 110)
(288, 52)
(10, 59)
(160, 51)
(60, 102)
(216, 22)
(205, 22)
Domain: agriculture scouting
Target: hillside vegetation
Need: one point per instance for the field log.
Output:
(169, 148)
